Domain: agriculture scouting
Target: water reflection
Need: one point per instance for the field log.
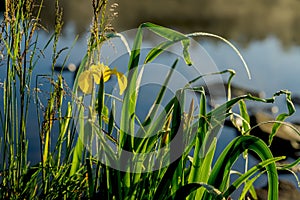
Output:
(240, 20)
(75, 12)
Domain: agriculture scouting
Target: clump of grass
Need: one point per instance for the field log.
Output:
(17, 37)
(191, 174)
(94, 157)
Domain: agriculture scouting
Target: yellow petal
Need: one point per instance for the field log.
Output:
(96, 77)
(107, 73)
(99, 69)
(94, 68)
(95, 72)
(122, 81)
(85, 82)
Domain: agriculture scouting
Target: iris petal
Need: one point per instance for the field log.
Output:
(86, 78)
(122, 80)
(85, 82)
(99, 69)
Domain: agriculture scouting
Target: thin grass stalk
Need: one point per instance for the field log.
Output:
(79, 148)
(195, 174)
(19, 30)
(128, 108)
(51, 106)
(10, 111)
(57, 32)
(93, 56)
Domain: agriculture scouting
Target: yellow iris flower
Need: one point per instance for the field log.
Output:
(87, 78)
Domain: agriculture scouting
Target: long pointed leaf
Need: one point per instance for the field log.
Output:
(283, 116)
(243, 178)
(220, 173)
(187, 189)
(173, 37)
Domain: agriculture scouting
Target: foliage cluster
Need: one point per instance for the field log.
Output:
(76, 165)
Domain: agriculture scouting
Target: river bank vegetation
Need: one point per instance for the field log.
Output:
(85, 154)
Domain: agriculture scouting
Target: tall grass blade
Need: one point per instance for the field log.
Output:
(221, 170)
(245, 116)
(244, 177)
(79, 147)
(131, 93)
(187, 189)
(80, 70)
(249, 188)
(90, 178)
(153, 110)
(173, 37)
(100, 101)
(162, 189)
(146, 145)
(195, 174)
(282, 116)
(197, 34)
(127, 122)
